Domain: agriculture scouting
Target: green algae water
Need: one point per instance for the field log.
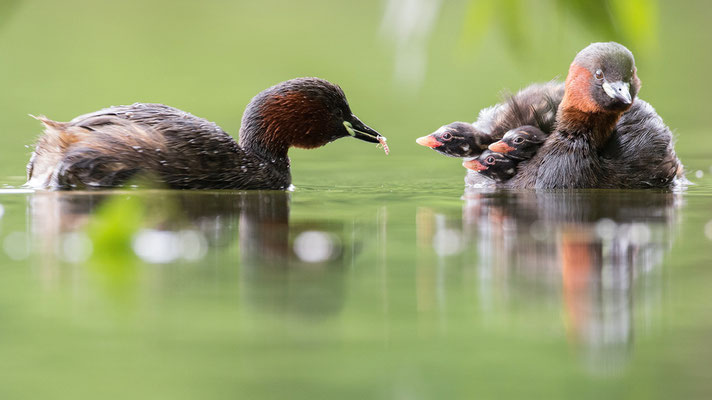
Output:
(378, 276)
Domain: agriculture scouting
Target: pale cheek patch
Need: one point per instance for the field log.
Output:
(609, 90)
(612, 92)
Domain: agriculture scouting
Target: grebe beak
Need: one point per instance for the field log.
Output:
(619, 91)
(361, 131)
(474, 165)
(500, 147)
(428, 141)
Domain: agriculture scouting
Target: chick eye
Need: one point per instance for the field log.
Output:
(489, 160)
(446, 136)
(599, 74)
(518, 140)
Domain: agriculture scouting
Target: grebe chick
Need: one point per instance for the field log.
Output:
(520, 143)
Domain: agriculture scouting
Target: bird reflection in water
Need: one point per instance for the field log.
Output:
(598, 252)
(244, 239)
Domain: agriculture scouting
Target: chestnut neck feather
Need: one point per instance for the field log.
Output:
(271, 125)
(579, 115)
(569, 158)
(595, 126)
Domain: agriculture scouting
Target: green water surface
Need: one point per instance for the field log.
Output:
(344, 290)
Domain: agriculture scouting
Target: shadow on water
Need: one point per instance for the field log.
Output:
(275, 264)
(596, 253)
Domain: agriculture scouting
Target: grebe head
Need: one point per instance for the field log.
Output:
(301, 112)
(602, 78)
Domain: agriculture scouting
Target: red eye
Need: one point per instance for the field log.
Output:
(599, 74)
(446, 136)
(489, 160)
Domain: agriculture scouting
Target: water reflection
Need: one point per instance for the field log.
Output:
(284, 266)
(591, 257)
(597, 253)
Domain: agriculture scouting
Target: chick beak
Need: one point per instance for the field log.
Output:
(361, 131)
(474, 165)
(500, 147)
(619, 91)
(428, 141)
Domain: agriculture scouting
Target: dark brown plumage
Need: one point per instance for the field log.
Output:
(640, 153)
(534, 105)
(601, 137)
(106, 148)
(597, 144)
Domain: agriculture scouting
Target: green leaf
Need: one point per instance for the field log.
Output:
(478, 20)
(637, 20)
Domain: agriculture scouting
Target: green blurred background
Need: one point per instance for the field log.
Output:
(407, 66)
(392, 317)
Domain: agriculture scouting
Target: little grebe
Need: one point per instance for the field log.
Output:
(587, 150)
(457, 139)
(500, 161)
(533, 105)
(520, 143)
(495, 166)
(639, 153)
(106, 148)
